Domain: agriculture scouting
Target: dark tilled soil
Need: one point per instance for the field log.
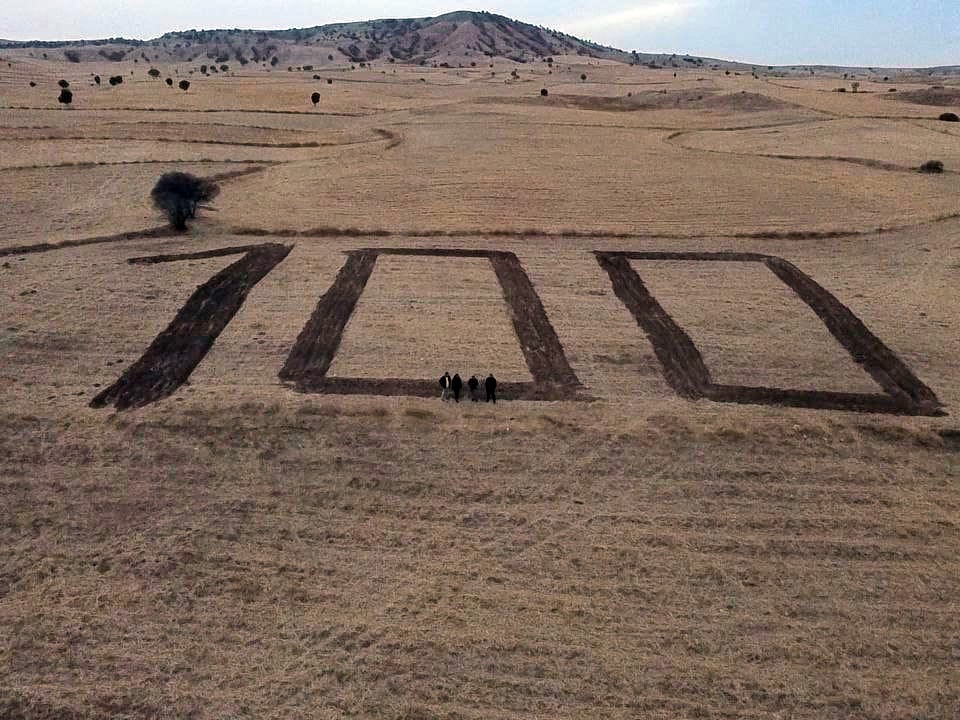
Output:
(202, 255)
(682, 363)
(422, 388)
(176, 351)
(317, 344)
(320, 338)
(687, 374)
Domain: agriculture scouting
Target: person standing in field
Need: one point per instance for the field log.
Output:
(473, 384)
(457, 386)
(490, 385)
(444, 385)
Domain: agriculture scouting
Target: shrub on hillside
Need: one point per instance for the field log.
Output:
(116, 80)
(184, 85)
(71, 55)
(950, 117)
(32, 84)
(932, 167)
(96, 79)
(66, 97)
(153, 72)
(64, 84)
(169, 82)
(315, 98)
(178, 195)
(544, 92)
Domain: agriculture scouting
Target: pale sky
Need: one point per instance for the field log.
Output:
(774, 32)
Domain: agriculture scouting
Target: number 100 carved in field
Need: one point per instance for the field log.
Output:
(172, 356)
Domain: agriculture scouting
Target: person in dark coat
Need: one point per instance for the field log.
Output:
(490, 385)
(473, 384)
(444, 385)
(457, 386)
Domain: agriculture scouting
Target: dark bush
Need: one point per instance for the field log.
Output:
(274, 60)
(950, 117)
(308, 68)
(932, 167)
(169, 82)
(153, 72)
(96, 79)
(116, 80)
(583, 76)
(32, 84)
(840, 90)
(66, 97)
(544, 92)
(178, 195)
(184, 85)
(224, 68)
(329, 81)
(64, 84)
(330, 58)
(315, 98)
(71, 55)
(316, 77)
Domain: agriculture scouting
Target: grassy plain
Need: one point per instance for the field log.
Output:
(241, 549)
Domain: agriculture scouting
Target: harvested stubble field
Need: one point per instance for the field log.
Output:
(284, 529)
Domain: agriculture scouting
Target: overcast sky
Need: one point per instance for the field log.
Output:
(847, 32)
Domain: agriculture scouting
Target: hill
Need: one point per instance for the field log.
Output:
(457, 38)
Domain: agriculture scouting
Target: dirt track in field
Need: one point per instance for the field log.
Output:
(176, 351)
(687, 373)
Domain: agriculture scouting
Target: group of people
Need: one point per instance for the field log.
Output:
(454, 386)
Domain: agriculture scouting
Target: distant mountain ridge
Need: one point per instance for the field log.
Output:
(461, 38)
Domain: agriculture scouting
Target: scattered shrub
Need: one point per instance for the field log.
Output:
(178, 195)
(308, 68)
(71, 55)
(224, 68)
(184, 85)
(950, 117)
(316, 77)
(32, 84)
(932, 167)
(66, 97)
(544, 92)
(64, 84)
(96, 79)
(315, 98)
(329, 81)
(116, 80)
(583, 76)
(330, 58)
(153, 72)
(169, 82)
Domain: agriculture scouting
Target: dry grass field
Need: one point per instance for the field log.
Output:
(338, 544)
